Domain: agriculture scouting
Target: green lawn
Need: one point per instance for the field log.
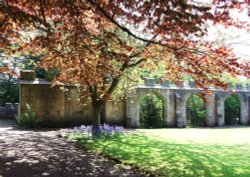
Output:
(181, 152)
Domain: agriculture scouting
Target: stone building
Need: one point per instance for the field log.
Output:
(61, 108)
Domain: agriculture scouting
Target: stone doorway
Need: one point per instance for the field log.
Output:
(151, 108)
(232, 110)
(196, 112)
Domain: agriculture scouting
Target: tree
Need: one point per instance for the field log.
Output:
(9, 89)
(9, 80)
(93, 42)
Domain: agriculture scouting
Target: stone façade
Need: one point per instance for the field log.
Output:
(59, 105)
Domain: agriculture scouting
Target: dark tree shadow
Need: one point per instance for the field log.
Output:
(29, 153)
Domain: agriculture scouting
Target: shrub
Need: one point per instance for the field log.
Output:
(29, 119)
(9, 89)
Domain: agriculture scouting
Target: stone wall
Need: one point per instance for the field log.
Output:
(46, 102)
(76, 113)
(115, 112)
(59, 105)
(8, 111)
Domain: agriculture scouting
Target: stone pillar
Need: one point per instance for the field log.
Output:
(180, 110)
(184, 113)
(16, 105)
(164, 94)
(210, 106)
(27, 75)
(132, 111)
(149, 82)
(170, 109)
(220, 110)
(244, 110)
(136, 112)
(9, 106)
(248, 108)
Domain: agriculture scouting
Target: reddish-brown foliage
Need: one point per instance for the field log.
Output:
(85, 39)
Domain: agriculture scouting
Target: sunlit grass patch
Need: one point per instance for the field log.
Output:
(165, 157)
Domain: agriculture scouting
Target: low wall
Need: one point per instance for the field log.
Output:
(9, 111)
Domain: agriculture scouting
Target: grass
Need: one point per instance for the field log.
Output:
(179, 152)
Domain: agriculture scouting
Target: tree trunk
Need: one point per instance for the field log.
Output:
(96, 121)
(103, 113)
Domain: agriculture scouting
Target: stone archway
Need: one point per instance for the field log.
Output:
(196, 113)
(151, 107)
(232, 108)
(133, 105)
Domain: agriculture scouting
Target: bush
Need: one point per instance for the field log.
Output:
(9, 89)
(29, 119)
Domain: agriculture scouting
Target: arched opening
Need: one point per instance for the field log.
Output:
(151, 111)
(196, 112)
(232, 110)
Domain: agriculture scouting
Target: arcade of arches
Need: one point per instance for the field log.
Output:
(222, 108)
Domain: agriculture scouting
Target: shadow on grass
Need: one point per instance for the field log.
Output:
(30, 153)
(171, 159)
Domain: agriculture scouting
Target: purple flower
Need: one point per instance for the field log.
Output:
(105, 129)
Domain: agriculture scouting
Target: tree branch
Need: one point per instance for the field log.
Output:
(18, 15)
(42, 10)
(126, 29)
(116, 80)
(136, 63)
(149, 41)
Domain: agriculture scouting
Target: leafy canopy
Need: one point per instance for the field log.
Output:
(92, 41)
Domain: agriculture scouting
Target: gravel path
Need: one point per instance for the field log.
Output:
(26, 153)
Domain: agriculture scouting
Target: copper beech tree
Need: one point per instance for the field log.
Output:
(93, 42)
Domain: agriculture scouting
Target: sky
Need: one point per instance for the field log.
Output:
(238, 39)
